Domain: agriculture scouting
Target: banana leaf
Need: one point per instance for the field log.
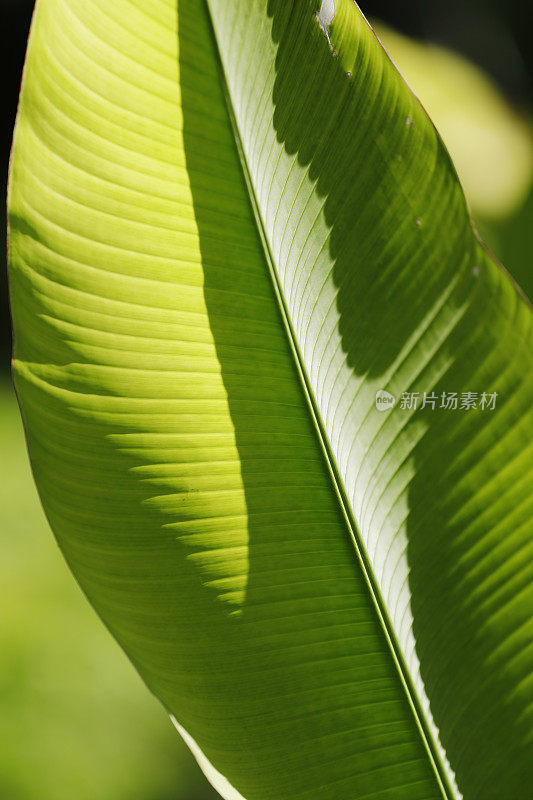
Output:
(278, 397)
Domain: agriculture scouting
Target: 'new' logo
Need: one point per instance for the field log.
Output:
(384, 400)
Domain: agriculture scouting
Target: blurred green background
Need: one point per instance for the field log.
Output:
(75, 719)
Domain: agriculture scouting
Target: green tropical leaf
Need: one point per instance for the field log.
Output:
(232, 228)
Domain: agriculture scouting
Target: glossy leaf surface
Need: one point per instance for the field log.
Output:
(226, 237)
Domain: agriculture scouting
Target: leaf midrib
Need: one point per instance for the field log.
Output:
(420, 719)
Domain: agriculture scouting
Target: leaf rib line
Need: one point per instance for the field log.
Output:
(395, 650)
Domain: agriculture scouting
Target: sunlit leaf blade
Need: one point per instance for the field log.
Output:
(169, 434)
(185, 267)
(387, 288)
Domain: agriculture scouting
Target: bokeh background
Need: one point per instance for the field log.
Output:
(75, 719)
